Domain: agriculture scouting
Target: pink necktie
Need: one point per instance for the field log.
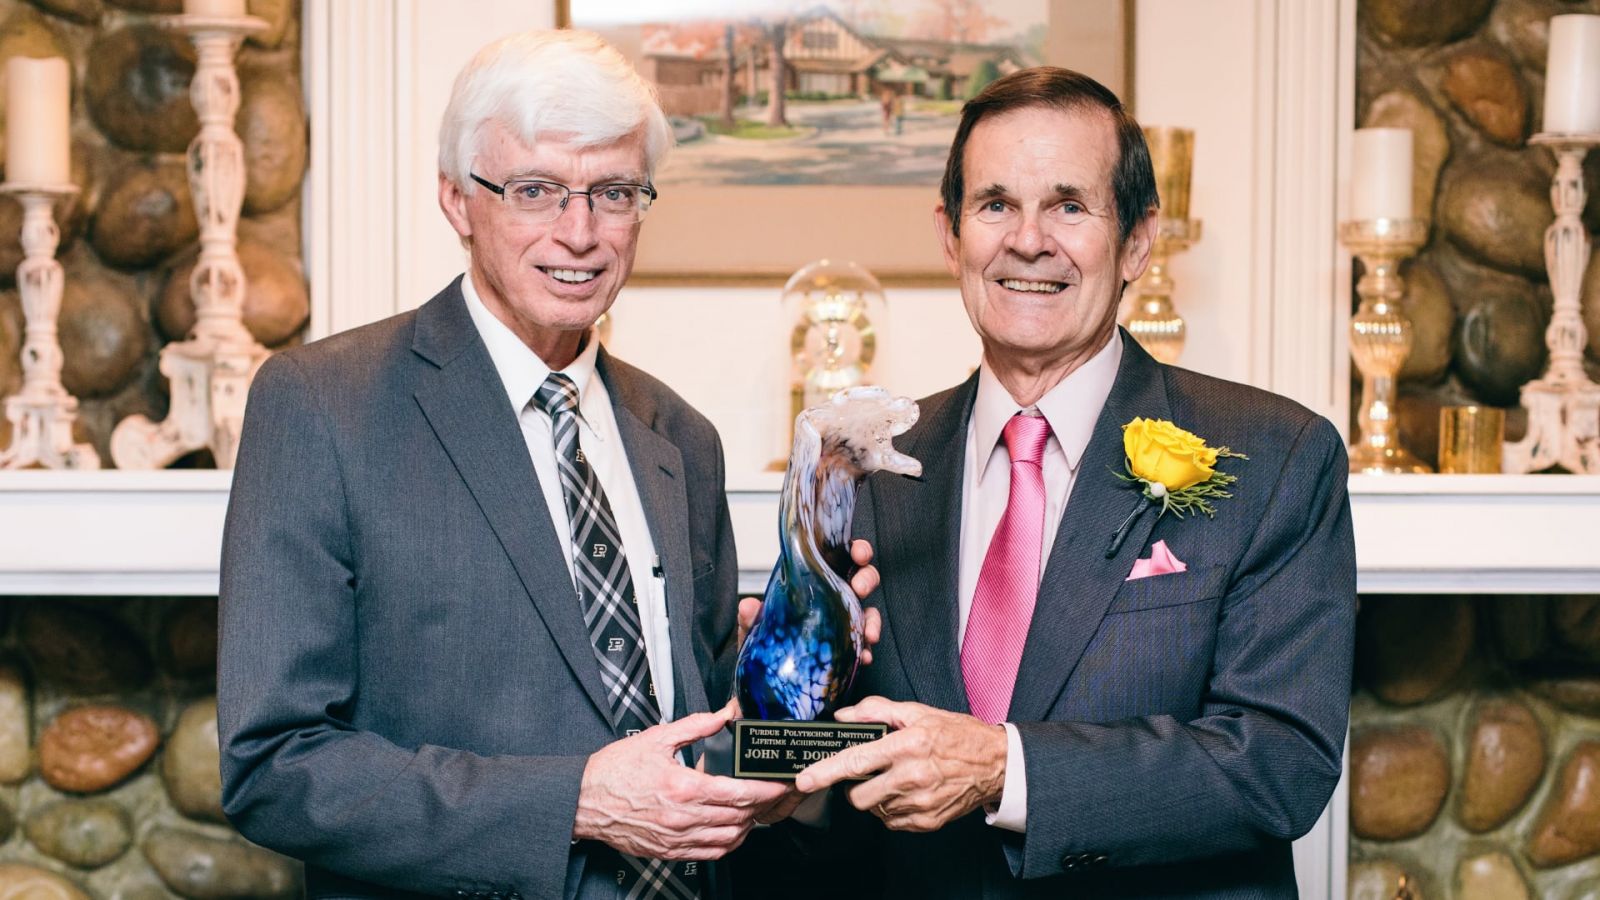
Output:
(1008, 583)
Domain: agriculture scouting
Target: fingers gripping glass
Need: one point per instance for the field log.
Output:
(546, 200)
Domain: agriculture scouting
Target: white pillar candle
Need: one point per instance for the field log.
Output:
(214, 8)
(38, 110)
(1572, 76)
(1380, 174)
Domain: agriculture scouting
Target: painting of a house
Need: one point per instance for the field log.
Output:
(820, 95)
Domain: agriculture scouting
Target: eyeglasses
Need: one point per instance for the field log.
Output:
(544, 201)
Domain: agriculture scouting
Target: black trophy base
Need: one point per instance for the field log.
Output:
(777, 750)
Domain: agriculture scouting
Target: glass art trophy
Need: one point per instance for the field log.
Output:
(797, 663)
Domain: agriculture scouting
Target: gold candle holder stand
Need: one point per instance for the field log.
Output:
(1380, 338)
(1155, 324)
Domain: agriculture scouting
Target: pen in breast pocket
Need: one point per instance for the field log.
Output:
(655, 567)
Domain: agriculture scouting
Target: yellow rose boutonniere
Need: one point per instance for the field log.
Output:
(1175, 468)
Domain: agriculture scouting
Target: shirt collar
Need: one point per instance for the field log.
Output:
(521, 370)
(1071, 407)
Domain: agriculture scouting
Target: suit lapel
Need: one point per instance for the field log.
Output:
(1079, 579)
(658, 472)
(919, 521)
(464, 403)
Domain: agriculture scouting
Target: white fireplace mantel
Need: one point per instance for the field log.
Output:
(160, 533)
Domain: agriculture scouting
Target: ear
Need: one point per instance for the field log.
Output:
(1136, 249)
(948, 242)
(453, 201)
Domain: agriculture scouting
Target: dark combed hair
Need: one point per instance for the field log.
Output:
(1133, 182)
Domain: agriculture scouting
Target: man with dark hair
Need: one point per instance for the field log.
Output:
(1116, 654)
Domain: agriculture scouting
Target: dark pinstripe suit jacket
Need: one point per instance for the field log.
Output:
(407, 692)
(1178, 730)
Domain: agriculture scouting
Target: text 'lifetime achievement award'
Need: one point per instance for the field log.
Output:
(800, 657)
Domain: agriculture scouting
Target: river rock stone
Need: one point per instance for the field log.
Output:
(1505, 760)
(1574, 694)
(15, 747)
(1520, 626)
(82, 833)
(82, 650)
(1490, 876)
(137, 88)
(1433, 318)
(276, 302)
(103, 337)
(1588, 889)
(1497, 209)
(1380, 880)
(208, 868)
(91, 748)
(1500, 345)
(189, 639)
(1488, 91)
(1523, 27)
(1409, 649)
(21, 882)
(1430, 142)
(84, 12)
(1398, 779)
(1576, 620)
(272, 124)
(145, 215)
(277, 14)
(1568, 828)
(1591, 309)
(1417, 418)
(190, 765)
(1417, 23)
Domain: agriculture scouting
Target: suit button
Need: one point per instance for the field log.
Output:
(1100, 859)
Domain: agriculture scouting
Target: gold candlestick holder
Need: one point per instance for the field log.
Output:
(1155, 324)
(42, 413)
(1563, 405)
(1152, 320)
(1380, 338)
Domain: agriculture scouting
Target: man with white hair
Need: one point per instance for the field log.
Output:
(478, 578)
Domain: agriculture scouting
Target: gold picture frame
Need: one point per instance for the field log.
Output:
(757, 234)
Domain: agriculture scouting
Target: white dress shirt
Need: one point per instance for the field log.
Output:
(1072, 408)
(522, 372)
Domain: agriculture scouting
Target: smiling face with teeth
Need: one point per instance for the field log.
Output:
(547, 281)
(1039, 259)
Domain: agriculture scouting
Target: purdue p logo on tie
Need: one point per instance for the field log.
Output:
(599, 551)
(614, 645)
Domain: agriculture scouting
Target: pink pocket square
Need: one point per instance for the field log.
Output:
(1161, 562)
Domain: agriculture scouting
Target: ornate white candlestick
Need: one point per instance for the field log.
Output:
(1380, 338)
(42, 413)
(211, 371)
(1154, 323)
(1563, 405)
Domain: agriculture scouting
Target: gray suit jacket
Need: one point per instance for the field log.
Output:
(1178, 730)
(407, 694)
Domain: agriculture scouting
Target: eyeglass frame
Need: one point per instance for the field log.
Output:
(588, 196)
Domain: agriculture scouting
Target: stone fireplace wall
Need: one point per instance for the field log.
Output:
(129, 238)
(108, 755)
(1467, 77)
(1475, 748)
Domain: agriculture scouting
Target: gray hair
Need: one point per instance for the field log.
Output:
(565, 82)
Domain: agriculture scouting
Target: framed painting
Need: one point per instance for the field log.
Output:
(819, 128)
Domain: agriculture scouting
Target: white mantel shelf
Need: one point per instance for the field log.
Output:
(159, 533)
